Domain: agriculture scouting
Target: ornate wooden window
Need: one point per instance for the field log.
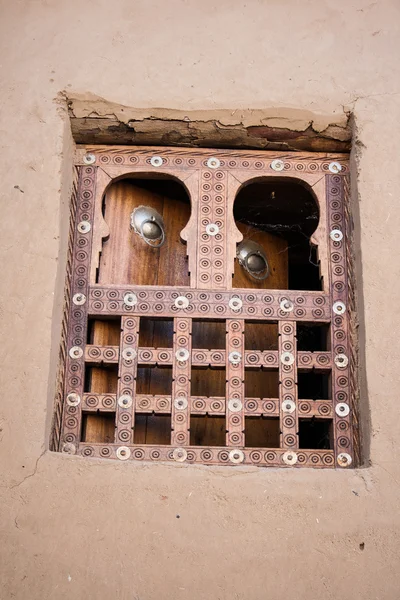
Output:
(189, 351)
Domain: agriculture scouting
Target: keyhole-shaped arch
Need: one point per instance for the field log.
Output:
(282, 215)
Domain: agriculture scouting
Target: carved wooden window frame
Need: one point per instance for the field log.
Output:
(212, 178)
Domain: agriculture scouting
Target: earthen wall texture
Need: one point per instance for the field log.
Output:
(77, 528)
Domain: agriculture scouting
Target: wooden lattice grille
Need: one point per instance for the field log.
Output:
(212, 188)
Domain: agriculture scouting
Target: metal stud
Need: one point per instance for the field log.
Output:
(235, 303)
(277, 165)
(344, 459)
(129, 353)
(336, 235)
(130, 299)
(79, 299)
(212, 229)
(69, 448)
(339, 308)
(289, 458)
(84, 227)
(341, 361)
(235, 405)
(89, 159)
(342, 409)
(335, 167)
(235, 357)
(179, 454)
(76, 352)
(180, 403)
(181, 302)
(123, 453)
(156, 161)
(288, 406)
(286, 305)
(73, 399)
(287, 358)
(182, 354)
(213, 163)
(236, 456)
(125, 401)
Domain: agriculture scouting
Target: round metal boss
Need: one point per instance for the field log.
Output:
(89, 159)
(73, 399)
(84, 227)
(235, 303)
(156, 161)
(235, 405)
(341, 361)
(336, 235)
(69, 448)
(213, 163)
(288, 406)
(129, 353)
(125, 401)
(180, 403)
(342, 409)
(339, 308)
(344, 459)
(277, 165)
(123, 453)
(76, 352)
(335, 167)
(181, 302)
(235, 357)
(212, 229)
(290, 458)
(130, 299)
(182, 354)
(79, 299)
(286, 305)
(236, 456)
(179, 454)
(287, 358)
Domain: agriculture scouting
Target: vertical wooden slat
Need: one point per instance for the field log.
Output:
(180, 419)
(340, 329)
(288, 384)
(125, 413)
(77, 321)
(235, 382)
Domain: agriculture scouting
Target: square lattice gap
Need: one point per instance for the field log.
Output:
(206, 430)
(156, 333)
(154, 381)
(261, 335)
(98, 428)
(208, 382)
(104, 332)
(152, 429)
(209, 335)
(262, 432)
(261, 383)
(314, 385)
(313, 337)
(315, 434)
(101, 380)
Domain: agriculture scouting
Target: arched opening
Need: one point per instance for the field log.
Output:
(280, 215)
(126, 258)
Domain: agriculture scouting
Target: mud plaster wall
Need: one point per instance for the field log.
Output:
(74, 528)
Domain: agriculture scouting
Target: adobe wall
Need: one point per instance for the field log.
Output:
(78, 528)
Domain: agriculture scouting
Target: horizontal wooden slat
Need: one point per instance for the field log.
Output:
(267, 457)
(153, 301)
